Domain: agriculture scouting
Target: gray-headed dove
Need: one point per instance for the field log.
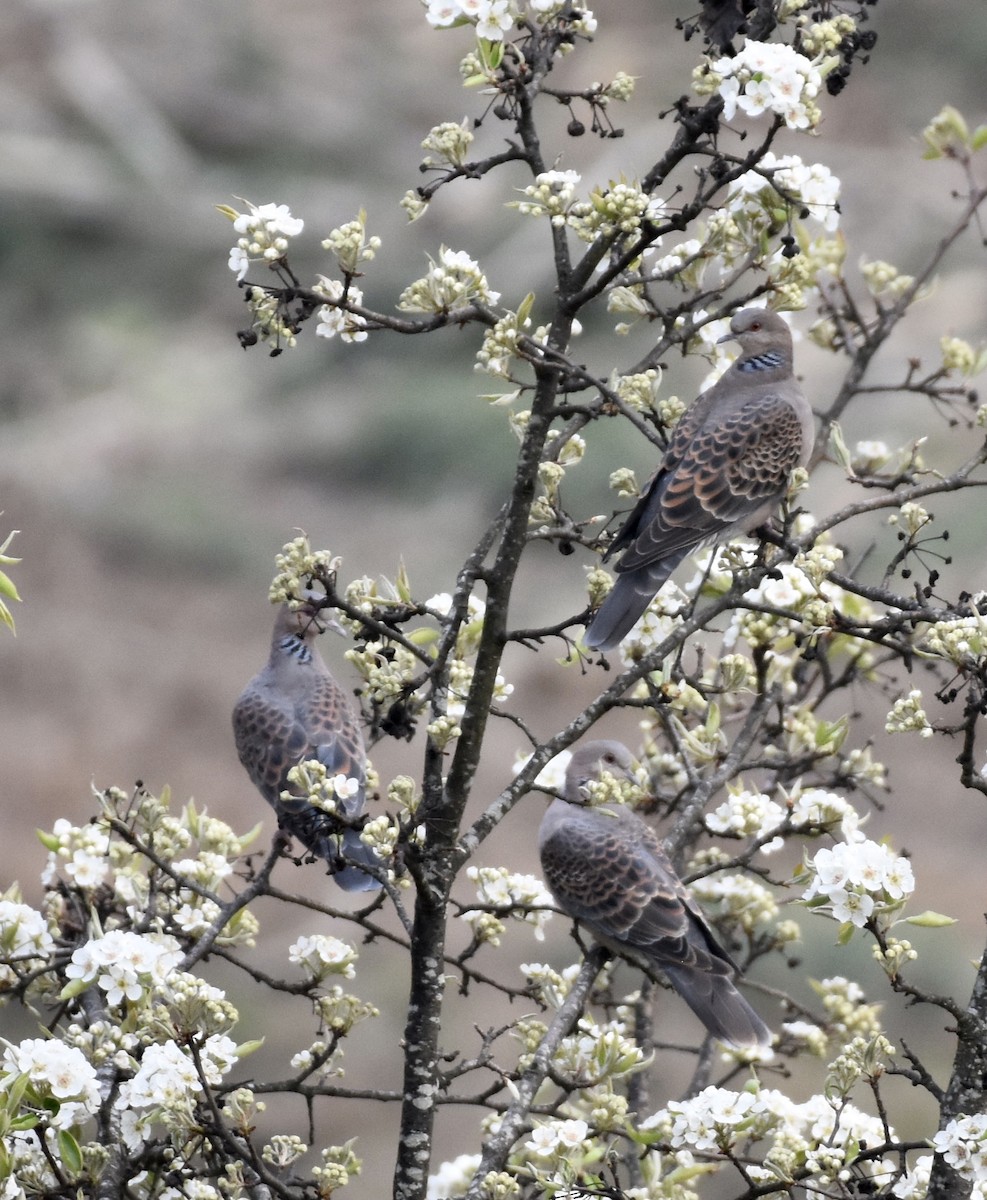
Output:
(291, 711)
(726, 468)
(607, 869)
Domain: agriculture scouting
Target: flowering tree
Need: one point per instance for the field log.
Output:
(740, 680)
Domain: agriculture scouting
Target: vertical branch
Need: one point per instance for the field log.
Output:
(438, 864)
(967, 1089)
(421, 1042)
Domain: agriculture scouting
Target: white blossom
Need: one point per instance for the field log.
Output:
(321, 955)
(125, 964)
(62, 1071)
(23, 934)
(770, 77)
(335, 320)
(857, 878)
(452, 1178)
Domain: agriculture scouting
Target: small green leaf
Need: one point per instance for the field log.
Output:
(70, 1151)
(829, 735)
(48, 840)
(839, 447)
(73, 989)
(524, 309)
(930, 920)
(491, 53)
(403, 584)
(251, 1047)
(226, 211)
(979, 137)
(846, 933)
(14, 1089)
(250, 836)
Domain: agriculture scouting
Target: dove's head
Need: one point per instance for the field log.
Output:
(759, 330)
(593, 760)
(305, 619)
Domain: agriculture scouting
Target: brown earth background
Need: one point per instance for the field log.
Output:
(154, 469)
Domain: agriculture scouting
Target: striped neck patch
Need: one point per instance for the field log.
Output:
(295, 647)
(761, 362)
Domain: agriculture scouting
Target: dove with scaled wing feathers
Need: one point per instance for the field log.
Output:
(293, 711)
(726, 469)
(607, 869)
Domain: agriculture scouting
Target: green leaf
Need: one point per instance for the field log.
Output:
(73, 989)
(250, 1047)
(404, 584)
(491, 53)
(48, 840)
(70, 1151)
(846, 933)
(250, 836)
(830, 735)
(930, 920)
(14, 1089)
(226, 211)
(524, 309)
(979, 137)
(839, 447)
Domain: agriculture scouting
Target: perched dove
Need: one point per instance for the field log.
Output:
(726, 467)
(294, 710)
(607, 869)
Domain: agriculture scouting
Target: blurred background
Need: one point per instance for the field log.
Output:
(154, 468)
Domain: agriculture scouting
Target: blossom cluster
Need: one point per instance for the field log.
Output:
(781, 195)
(743, 902)
(321, 955)
(494, 19)
(619, 208)
(56, 1073)
(452, 282)
(908, 716)
(523, 897)
(962, 640)
(857, 881)
(786, 183)
(815, 1139)
(768, 77)
(328, 793)
(334, 318)
(265, 233)
(350, 244)
(184, 902)
(450, 141)
(500, 342)
(125, 965)
(596, 1053)
(551, 195)
(746, 814)
(127, 1070)
(963, 1144)
(25, 939)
